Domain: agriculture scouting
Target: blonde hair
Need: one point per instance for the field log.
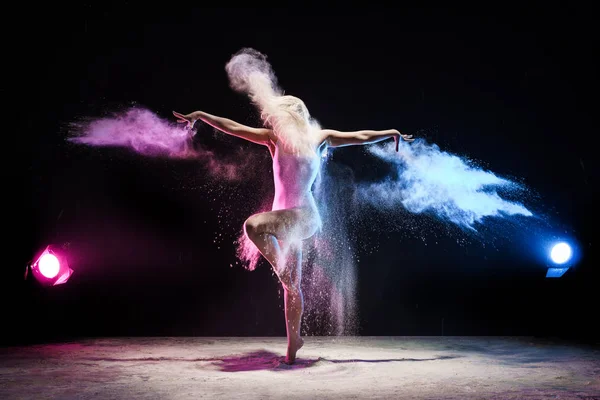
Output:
(250, 72)
(292, 124)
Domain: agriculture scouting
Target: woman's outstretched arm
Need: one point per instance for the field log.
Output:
(340, 139)
(255, 135)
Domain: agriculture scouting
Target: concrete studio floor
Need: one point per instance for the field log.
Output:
(327, 368)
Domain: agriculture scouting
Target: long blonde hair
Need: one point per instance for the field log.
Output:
(250, 72)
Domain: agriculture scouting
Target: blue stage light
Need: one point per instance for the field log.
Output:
(561, 253)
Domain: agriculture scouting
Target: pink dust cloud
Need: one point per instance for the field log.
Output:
(146, 133)
(247, 252)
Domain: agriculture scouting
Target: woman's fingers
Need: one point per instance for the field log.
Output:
(180, 116)
(182, 119)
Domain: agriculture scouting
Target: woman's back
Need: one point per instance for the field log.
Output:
(293, 177)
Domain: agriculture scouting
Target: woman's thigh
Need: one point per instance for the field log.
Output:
(286, 225)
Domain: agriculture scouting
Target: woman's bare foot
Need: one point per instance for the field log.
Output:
(292, 349)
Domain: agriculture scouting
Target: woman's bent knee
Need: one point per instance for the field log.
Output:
(251, 227)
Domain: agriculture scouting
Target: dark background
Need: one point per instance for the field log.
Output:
(510, 88)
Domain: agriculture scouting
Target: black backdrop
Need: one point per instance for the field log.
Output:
(509, 88)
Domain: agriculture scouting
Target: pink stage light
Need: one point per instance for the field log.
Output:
(51, 267)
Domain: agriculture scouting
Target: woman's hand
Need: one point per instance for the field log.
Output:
(399, 135)
(185, 119)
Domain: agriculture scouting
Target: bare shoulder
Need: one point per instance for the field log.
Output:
(328, 136)
(324, 134)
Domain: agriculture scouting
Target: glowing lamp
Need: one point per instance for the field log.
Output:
(51, 267)
(560, 253)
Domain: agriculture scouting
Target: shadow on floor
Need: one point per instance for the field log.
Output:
(263, 360)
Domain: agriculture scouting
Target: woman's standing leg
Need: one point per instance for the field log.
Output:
(286, 260)
(291, 278)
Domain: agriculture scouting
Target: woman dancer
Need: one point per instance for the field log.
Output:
(296, 143)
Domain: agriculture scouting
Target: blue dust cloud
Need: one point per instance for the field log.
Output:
(425, 179)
